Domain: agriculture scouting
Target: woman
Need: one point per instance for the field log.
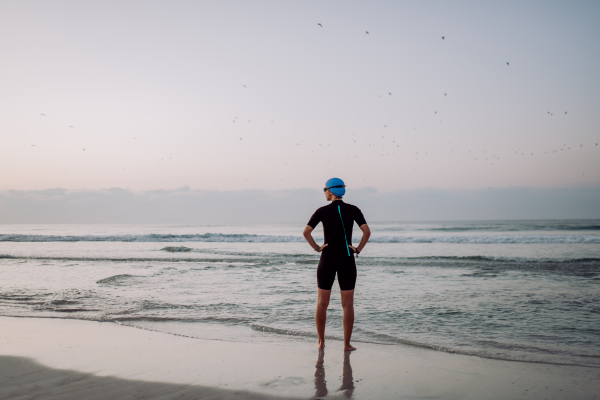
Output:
(337, 255)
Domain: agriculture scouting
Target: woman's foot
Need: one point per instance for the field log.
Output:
(321, 345)
(348, 347)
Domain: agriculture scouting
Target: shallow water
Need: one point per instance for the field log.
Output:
(516, 290)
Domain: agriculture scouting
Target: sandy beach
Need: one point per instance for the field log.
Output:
(69, 359)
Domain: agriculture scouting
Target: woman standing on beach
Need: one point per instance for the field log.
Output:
(337, 255)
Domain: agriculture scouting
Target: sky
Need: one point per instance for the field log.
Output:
(239, 95)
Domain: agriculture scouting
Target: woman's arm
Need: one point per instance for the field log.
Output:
(308, 236)
(365, 238)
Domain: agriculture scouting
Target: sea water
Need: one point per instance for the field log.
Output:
(513, 290)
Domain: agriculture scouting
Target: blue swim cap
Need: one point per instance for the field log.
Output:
(338, 191)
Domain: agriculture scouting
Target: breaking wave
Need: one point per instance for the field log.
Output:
(180, 249)
(115, 279)
(241, 238)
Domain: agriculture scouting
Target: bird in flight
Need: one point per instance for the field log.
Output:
(435, 112)
(507, 63)
(83, 149)
(443, 38)
(445, 94)
(390, 93)
(320, 24)
(565, 112)
(240, 138)
(244, 86)
(42, 115)
(367, 32)
(71, 126)
(33, 145)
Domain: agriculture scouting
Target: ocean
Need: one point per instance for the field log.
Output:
(525, 291)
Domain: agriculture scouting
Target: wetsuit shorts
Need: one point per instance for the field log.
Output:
(332, 263)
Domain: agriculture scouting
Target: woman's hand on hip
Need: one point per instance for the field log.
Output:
(320, 248)
(354, 249)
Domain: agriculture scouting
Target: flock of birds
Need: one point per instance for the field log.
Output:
(491, 158)
(70, 126)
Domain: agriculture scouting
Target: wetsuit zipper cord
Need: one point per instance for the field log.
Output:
(345, 238)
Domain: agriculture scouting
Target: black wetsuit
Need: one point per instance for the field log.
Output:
(337, 256)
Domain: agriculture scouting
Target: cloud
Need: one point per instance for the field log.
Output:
(184, 205)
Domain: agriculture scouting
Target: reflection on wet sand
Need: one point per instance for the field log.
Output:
(320, 382)
(347, 378)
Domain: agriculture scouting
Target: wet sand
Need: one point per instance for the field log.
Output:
(70, 359)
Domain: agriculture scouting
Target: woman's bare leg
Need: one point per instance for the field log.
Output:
(348, 306)
(321, 315)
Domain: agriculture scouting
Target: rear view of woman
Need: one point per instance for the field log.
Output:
(337, 255)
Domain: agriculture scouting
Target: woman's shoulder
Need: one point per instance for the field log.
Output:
(322, 208)
(352, 206)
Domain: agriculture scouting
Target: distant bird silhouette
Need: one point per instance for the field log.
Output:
(240, 138)
(507, 63)
(42, 115)
(565, 112)
(320, 24)
(33, 145)
(390, 93)
(83, 149)
(445, 94)
(244, 86)
(385, 126)
(435, 112)
(71, 126)
(367, 32)
(234, 120)
(443, 38)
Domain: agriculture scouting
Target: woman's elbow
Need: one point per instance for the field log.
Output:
(366, 232)
(307, 231)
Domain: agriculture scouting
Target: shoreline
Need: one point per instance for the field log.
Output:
(75, 358)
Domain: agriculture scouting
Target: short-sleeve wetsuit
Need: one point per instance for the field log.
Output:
(338, 219)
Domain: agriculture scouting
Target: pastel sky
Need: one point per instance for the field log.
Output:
(234, 95)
